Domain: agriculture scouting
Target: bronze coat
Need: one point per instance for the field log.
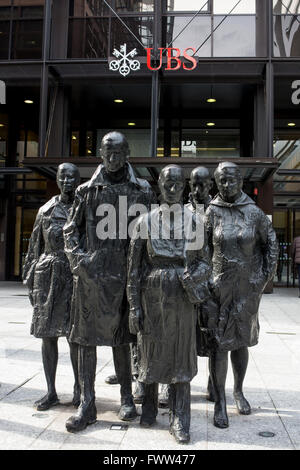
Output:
(244, 255)
(47, 272)
(156, 267)
(99, 304)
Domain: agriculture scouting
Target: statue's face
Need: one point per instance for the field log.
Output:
(171, 186)
(200, 186)
(114, 156)
(229, 184)
(67, 179)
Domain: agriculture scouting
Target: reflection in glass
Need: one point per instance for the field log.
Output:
(134, 5)
(28, 9)
(3, 138)
(199, 143)
(88, 38)
(4, 39)
(287, 153)
(5, 12)
(286, 36)
(225, 6)
(286, 7)
(142, 27)
(193, 36)
(191, 5)
(27, 38)
(235, 37)
(84, 8)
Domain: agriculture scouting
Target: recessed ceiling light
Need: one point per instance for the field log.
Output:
(211, 100)
(74, 137)
(28, 101)
(89, 151)
(118, 101)
(210, 124)
(291, 124)
(131, 124)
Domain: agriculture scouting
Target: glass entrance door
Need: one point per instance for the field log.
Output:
(286, 223)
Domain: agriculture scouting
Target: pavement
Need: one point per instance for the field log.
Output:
(272, 386)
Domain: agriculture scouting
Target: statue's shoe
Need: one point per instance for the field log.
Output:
(128, 410)
(181, 436)
(220, 417)
(46, 402)
(139, 393)
(86, 415)
(243, 406)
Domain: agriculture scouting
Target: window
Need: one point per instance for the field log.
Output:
(138, 6)
(191, 5)
(287, 7)
(246, 7)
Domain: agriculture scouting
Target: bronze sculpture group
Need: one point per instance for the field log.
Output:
(174, 301)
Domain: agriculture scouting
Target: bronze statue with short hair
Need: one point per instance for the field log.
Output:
(99, 265)
(47, 274)
(161, 275)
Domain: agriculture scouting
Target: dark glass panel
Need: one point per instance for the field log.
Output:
(5, 11)
(27, 39)
(88, 38)
(4, 39)
(142, 27)
(28, 8)
(83, 8)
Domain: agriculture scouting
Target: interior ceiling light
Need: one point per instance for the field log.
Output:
(210, 124)
(131, 124)
(1, 125)
(74, 137)
(28, 101)
(118, 101)
(291, 124)
(211, 99)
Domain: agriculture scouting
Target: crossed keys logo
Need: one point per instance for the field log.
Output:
(124, 63)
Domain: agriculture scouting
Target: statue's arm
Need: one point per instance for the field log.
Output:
(134, 275)
(270, 248)
(74, 231)
(35, 249)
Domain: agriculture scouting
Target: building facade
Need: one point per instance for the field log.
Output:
(202, 82)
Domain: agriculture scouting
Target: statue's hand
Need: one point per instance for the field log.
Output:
(135, 320)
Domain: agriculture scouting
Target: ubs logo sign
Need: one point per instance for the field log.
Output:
(125, 62)
(296, 93)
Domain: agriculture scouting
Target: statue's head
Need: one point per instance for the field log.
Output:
(67, 178)
(171, 184)
(200, 184)
(229, 180)
(114, 151)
